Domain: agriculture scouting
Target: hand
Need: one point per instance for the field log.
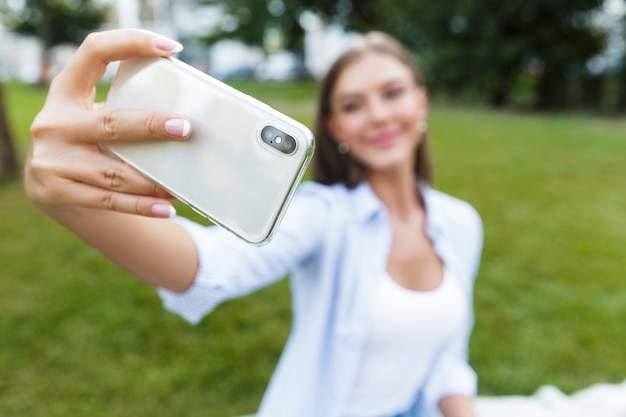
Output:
(457, 405)
(65, 167)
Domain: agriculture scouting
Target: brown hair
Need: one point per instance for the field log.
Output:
(329, 165)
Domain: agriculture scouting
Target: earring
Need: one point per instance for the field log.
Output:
(422, 126)
(343, 148)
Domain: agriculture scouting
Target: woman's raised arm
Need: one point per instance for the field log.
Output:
(102, 200)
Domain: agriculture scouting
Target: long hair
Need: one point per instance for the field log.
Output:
(329, 165)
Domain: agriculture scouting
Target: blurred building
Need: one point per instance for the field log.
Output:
(19, 57)
(187, 21)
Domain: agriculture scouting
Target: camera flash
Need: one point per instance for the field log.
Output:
(278, 139)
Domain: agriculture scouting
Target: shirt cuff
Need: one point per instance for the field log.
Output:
(206, 292)
(461, 380)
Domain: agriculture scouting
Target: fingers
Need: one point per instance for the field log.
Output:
(65, 166)
(98, 198)
(107, 125)
(75, 86)
(65, 152)
(112, 175)
(88, 65)
(110, 184)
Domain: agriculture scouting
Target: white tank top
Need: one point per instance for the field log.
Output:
(408, 328)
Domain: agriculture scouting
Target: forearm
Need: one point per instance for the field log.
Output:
(158, 251)
(457, 406)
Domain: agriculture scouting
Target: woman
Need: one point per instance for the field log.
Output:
(382, 266)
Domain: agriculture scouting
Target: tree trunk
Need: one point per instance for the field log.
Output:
(592, 92)
(620, 104)
(500, 98)
(8, 156)
(550, 92)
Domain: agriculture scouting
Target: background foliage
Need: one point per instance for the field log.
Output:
(54, 22)
(484, 49)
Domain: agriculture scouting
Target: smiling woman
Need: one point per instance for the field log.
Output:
(385, 80)
(382, 265)
(378, 123)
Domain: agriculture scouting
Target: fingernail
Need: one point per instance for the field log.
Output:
(177, 127)
(163, 210)
(168, 45)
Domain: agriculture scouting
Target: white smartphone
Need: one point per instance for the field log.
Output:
(243, 161)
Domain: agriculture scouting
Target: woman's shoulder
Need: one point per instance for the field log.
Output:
(461, 226)
(314, 207)
(316, 199)
(319, 189)
(357, 203)
(452, 208)
(328, 195)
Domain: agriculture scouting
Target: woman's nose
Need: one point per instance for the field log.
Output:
(379, 110)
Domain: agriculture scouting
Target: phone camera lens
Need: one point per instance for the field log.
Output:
(289, 144)
(267, 133)
(278, 140)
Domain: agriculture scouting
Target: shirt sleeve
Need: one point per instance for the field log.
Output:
(229, 267)
(451, 373)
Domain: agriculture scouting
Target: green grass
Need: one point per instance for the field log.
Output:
(78, 336)
(550, 297)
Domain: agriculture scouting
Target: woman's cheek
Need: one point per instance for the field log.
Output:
(352, 128)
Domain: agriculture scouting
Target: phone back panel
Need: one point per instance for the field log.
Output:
(224, 170)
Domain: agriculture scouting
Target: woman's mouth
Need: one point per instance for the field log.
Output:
(384, 139)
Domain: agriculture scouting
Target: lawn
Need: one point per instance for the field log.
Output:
(78, 336)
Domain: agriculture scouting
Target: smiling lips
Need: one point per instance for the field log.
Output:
(385, 139)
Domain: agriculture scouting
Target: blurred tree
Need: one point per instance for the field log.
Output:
(53, 22)
(485, 45)
(275, 24)
(8, 156)
(477, 46)
(620, 104)
(564, 40)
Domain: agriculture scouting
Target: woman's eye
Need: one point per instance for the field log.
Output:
(349, 107)
(395, 92)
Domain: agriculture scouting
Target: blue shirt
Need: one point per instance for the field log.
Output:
(335, 242)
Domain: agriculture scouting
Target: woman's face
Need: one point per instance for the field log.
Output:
(376, 108)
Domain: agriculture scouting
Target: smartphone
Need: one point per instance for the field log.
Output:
(243, 161)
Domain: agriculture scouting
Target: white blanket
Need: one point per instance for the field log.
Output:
(601, 400)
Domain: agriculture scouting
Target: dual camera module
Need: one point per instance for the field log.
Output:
(278, 140)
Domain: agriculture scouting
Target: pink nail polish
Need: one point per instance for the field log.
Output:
(167, 44)
(177, 127)
(163, 210)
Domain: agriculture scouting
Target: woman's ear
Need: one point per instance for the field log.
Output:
(422, 101)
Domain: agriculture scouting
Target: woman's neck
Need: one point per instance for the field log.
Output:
(399, 192)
